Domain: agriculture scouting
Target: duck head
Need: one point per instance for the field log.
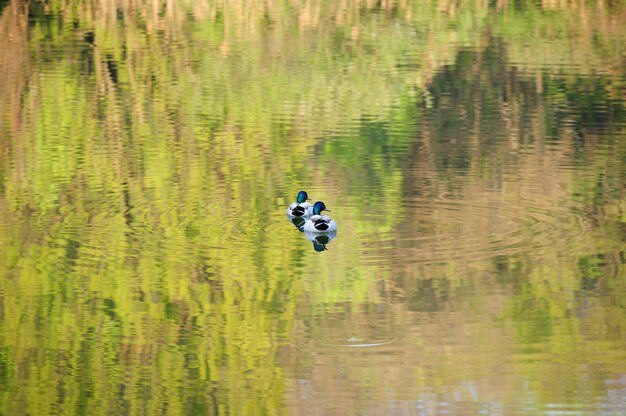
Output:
(319, 207)
(302, 197)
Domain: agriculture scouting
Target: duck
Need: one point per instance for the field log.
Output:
(300, 208)
(318, 223)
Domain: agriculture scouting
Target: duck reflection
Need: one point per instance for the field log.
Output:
(320, 241)
(298, 222)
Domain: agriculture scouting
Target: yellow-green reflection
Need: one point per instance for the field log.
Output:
(149, 150)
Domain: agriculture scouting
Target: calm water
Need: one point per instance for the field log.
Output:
(472, 153)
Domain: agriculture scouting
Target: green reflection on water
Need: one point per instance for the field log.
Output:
(149, 149)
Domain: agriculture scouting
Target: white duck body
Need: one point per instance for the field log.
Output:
(300, 209)
(320, 224)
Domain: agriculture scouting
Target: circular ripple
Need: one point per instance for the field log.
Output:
(357, 342)
(444, 228)
(362, 326)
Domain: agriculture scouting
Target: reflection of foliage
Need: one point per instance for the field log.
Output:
(591, 269)
(532, 315)
(7, 372)
(583, 38)
(144, 131)
(496, 134)
(429, 295)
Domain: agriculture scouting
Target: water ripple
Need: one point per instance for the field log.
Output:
(445, 228)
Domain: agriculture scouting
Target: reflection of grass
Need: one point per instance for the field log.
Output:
(583, 38)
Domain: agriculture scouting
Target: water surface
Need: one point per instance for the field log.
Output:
(472, 155)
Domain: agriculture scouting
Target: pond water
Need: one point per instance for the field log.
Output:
(472, 154)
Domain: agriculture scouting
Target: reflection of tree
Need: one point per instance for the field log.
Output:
(495, 139)
(14, 67)
(132, 131)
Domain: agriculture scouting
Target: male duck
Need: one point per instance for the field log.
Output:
(319, 223)
(300, 208)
